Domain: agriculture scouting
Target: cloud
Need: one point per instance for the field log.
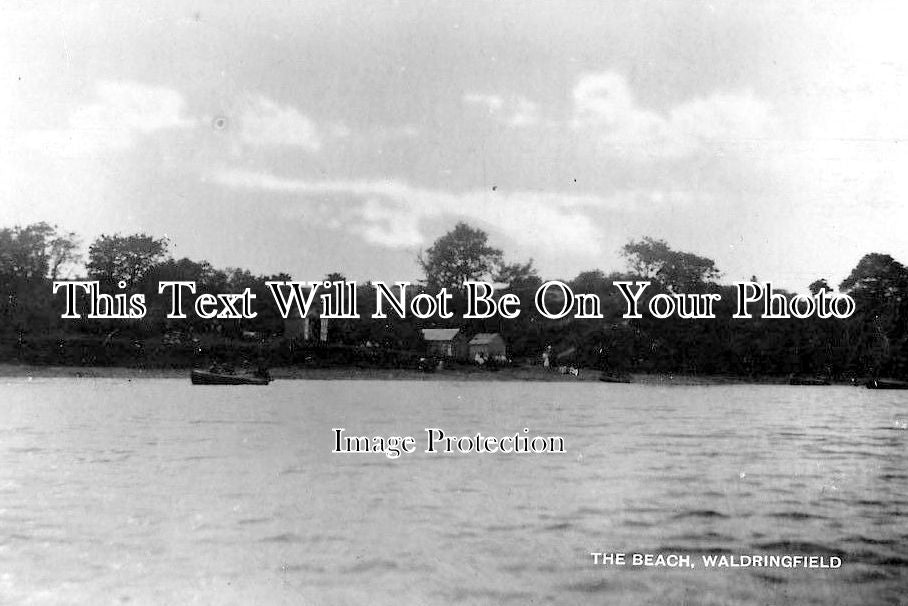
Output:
(492, 103)
(516, 111)
(605, 107)
(120, 115)
(526, 113)
(405, 131)
(264, 122)
(393, 214)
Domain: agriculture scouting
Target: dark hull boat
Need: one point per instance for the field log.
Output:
(615, 378)
(886, 384)
(207, 377)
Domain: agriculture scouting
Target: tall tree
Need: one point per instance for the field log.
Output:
(207, 278)
(876, 275)
(127, 258)
(461, 254)
(519, 276)
(591, 281)
(674, 270)
(879, 286)
(28, 257)
(817, 285)
(36, 251)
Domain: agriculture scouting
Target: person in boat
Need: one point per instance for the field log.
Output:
(221, 368)
(261, 371)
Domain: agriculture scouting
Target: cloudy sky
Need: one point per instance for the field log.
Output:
(311, 137)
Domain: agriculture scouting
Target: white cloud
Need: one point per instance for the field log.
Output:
(515, 111)
(526, 113)
(267, 123)
(120, 115)
(492, 103)
(406, 131)
(604, 106)
(393, 213)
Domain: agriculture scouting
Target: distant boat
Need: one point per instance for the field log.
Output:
(808, 381)
(886, 384)
(615, 377)
(207, 377)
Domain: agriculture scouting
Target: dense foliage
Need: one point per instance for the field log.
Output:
(874, 341)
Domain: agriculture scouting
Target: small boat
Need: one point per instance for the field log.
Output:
(612, 377)
(208, 377)
(886, 384)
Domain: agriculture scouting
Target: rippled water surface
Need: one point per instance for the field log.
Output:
(157, 492)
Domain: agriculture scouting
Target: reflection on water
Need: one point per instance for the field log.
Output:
(154, 492)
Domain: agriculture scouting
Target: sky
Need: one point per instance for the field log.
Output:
(313, 137)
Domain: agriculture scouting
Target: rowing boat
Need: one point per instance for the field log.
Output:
(886, 384)
(207, 377)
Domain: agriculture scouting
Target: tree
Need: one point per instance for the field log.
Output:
(591, 281)
(876, 275)
(207, 278)
(461, 254)
(29, 256)
(62, 251)
(676, 271)
(36, 251)
(879, 336)
(817, 285)
(519, 276)
(116, 258)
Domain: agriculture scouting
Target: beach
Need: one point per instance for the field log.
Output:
(463, 373)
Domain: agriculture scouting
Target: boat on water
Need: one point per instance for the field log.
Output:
(886, 384)
(614, 377)
(210, 377)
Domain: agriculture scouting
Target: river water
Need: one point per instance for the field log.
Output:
(156, 492)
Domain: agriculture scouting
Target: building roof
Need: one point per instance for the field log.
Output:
(439, 334)
(484, 338)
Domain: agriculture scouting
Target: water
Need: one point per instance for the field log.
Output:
(157, 492)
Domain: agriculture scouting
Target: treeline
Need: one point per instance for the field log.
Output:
(873, 342)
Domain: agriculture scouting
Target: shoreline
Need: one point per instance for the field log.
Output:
(523, 374)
